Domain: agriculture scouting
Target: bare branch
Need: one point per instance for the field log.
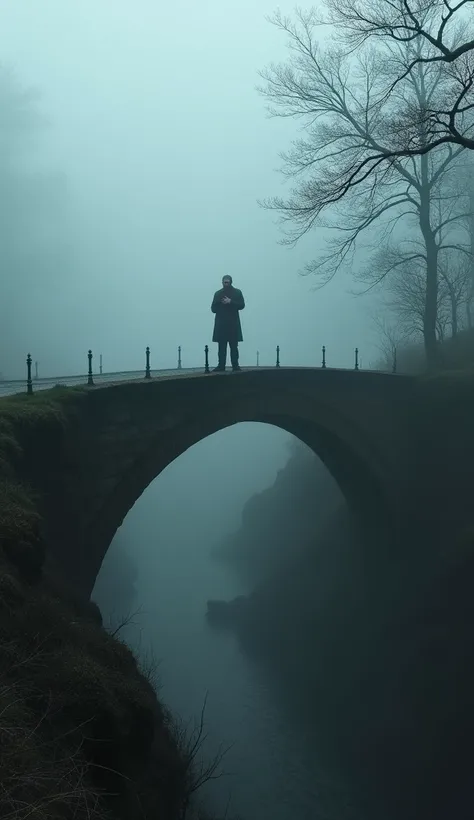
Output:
(126, 620)
(197, 772)
(441, 34)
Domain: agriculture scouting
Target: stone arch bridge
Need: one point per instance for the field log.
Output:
(119, 437)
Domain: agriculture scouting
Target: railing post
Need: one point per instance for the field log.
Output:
(100, 364)
(258, 359)
(394, 366)
(36, 371)
(356, 366)
(147, 366)
(323, 363)
(206, 359)
(278, 356)
(179, 357)
(90, 380)
(29, 383)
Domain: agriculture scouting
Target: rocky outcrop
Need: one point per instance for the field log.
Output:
(279, 521)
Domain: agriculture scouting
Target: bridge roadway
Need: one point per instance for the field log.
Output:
(16, 386)
(13, 386)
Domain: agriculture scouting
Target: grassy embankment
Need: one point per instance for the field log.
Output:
(82, 732)
(454, 354)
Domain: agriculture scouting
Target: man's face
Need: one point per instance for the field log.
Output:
(226, 282)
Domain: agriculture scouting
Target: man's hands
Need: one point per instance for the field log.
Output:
(226, 301)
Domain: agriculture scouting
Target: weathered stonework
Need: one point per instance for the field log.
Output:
(363, 425)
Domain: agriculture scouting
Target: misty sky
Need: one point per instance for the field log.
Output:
(164, 146)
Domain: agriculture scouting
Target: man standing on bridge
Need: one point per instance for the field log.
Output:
(227, 329)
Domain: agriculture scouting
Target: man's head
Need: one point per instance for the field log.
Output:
(226, 281)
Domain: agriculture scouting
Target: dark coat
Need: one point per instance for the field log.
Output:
(227, 326)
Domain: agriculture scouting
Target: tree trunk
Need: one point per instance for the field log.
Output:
(454, 307)
(430, 317)
(454, 318)
(431, 295)
(431, 304)
(471, 236)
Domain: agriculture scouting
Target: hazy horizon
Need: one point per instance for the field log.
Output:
(159, 145)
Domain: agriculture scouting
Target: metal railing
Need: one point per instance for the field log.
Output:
(91, 378)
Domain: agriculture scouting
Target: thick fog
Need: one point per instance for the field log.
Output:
(158, 575)
(135, 189)
(183, 515)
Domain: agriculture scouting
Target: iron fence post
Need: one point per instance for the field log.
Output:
(90, 379)
(29, 383)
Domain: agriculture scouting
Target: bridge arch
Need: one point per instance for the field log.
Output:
(341, 437)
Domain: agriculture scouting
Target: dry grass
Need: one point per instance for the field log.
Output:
(44, 773)
(455, 355)
(42, 777)
(78, 721)
(82, 733)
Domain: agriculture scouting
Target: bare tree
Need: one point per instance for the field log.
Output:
(445, 28)
(404, 298)
(196, 772)
(455, 276)
(345, 166)
(390, 336)
(123, 622)
(402, 264)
